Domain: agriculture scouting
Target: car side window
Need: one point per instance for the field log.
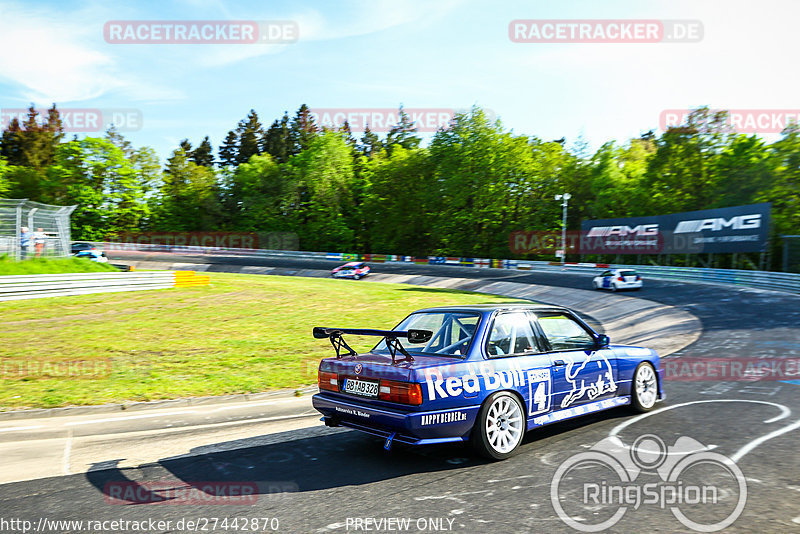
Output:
(565, 333)
(606, 273)
(512, 334)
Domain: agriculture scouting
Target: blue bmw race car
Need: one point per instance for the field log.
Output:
(484, 374)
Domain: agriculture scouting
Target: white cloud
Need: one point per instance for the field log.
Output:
(45, 57)
(53, 57)
(349, 19)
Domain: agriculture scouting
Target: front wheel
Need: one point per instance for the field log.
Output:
(644, 389)
(500, 426)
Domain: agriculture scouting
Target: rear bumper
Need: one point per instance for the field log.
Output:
(629, 285)
(413, 428)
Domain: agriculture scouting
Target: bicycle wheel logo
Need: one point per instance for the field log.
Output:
(593, 490)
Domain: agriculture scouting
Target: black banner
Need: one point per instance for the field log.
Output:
(736, 229)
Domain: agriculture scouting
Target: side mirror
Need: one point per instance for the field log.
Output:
(419, 336)
(603, 341)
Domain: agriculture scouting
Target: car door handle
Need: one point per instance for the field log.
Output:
(558, 362)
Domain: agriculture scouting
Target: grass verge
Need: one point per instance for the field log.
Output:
(244, 333)
(9, 266)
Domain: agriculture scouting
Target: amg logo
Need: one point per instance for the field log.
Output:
(440, 418)
(623, 231)
(742, 222)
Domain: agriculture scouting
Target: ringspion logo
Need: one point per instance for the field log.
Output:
(593, 490)
(201, 32)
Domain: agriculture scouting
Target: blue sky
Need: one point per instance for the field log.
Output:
(380, 54)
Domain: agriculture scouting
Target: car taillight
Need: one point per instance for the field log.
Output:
(329, 381)
(638, 277)
(620, 279)
(402, 392)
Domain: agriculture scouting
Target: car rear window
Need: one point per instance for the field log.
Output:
(452, 333)
(627, 273)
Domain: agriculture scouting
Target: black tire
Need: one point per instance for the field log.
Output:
(490, 440)
(614, 287)
(596, 286)
(644, 394)
(357, 276)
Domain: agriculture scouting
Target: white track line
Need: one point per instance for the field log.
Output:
(16, 428)
(785, 412)
(127, 418)
(67, 451)
(758, 441)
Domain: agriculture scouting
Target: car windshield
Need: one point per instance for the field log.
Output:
(452, 333)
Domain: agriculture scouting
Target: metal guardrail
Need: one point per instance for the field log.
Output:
(17, 287)
(775, 281)
(757, 279)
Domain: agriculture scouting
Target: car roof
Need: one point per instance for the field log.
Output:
(495, 307)
(353, 263)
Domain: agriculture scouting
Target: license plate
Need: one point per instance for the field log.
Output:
(365, 388)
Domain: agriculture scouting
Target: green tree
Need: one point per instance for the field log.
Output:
(403, 133)
(681, 174)
(399, 210)
(482, 182)
(302, 131)
(188, 198)
(370, 143)
(229, 150)
(784, 191)
(96, 175)
(250, 133)
(277, 140)
(326, 189)
(4, 167)
(203, 155)
(266, 195)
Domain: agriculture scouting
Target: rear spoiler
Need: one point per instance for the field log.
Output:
(391, 337)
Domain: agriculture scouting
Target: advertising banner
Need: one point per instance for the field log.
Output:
(735, 229)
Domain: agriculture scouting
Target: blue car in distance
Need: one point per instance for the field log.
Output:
(484, 374)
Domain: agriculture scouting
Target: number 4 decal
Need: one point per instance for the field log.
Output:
(539, 389)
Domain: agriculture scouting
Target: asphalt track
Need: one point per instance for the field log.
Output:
(333, 480)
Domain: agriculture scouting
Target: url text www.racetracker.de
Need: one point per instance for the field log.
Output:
(192, 524)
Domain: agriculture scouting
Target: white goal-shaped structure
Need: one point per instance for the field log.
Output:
(53, 221)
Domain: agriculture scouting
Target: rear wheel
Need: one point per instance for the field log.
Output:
(500, 426)
(644, 389)
(357, 276)
(614, 287)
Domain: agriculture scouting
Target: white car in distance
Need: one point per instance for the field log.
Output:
(618, 279)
